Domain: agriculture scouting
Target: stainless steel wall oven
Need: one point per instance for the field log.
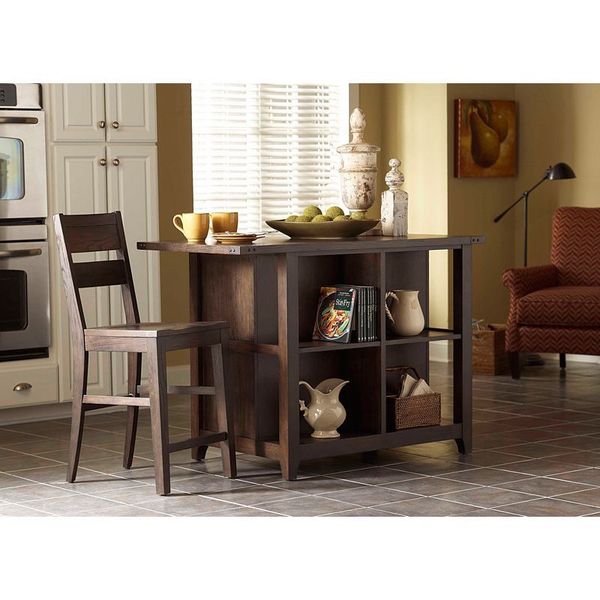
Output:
(24, 264)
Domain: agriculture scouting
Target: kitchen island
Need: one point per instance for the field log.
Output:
(268, 292)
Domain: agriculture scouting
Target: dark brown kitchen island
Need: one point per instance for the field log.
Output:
(268, 293)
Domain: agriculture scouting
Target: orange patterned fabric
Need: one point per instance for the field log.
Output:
(520, 282)
(557, 340)
(556, 308)
(562, 306)
(575, 245)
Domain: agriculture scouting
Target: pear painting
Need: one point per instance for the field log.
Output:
(485, 138)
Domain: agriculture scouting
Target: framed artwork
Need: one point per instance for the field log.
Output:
(485, 133)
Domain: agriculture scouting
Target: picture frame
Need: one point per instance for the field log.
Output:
(485, 138)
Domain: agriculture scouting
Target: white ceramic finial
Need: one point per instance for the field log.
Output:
(394, 178)
(358, 122)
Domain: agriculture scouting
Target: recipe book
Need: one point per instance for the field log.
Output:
(335, 313)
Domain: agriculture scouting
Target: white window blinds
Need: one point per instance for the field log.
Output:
(266, 150)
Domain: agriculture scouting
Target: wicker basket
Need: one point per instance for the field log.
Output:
(413, 411)
(489, 355)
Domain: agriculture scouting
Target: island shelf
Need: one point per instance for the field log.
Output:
(268, 293)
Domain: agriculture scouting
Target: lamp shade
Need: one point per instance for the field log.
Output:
(560, 170)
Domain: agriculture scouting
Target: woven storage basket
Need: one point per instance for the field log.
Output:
(489, 355)
(413, 411)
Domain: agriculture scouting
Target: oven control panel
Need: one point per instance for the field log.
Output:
(8, 94)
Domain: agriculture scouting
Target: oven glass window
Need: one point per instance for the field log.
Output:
(12, 174)
(13, 300)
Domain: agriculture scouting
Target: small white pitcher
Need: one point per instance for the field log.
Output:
(325, 412)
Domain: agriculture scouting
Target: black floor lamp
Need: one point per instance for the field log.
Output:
(560, 170)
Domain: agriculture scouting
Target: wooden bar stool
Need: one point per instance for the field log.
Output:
(104, 232)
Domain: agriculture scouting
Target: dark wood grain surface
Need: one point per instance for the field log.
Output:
(278, 243)
(268, 293)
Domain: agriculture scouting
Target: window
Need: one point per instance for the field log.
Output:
(266, 150)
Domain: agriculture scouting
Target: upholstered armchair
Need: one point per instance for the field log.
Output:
(556, 307)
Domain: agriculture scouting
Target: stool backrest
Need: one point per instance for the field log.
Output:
(93, 233)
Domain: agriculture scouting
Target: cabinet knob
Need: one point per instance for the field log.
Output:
(116, 162)
(115, 124)
(22, 387)
(102, 124)
(102, 162)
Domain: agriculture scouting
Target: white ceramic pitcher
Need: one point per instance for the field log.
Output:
(404, 312)
(325, 413)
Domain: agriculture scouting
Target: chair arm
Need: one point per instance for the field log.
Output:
(525, 280)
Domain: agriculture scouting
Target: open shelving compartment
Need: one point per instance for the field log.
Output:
(364, 364)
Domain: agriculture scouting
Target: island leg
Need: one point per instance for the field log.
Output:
(289, 423)
(462, 373)
(195, 355)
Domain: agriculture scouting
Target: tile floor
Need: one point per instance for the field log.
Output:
(536, 453)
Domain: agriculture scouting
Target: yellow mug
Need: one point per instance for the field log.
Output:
(224, 221)
(193, 225)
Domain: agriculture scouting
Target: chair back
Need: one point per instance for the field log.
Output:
(575, 245)
(93, 233)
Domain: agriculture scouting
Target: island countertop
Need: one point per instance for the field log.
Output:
(281, 244)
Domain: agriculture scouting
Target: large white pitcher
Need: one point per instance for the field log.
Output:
(404, 312)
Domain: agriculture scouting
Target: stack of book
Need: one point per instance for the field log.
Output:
(347, 313)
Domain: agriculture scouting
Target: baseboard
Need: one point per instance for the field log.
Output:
(579, 358)
(177, 375)
(440, 351)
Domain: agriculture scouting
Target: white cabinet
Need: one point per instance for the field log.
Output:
(80, 187)
(132, 184)
(96, 168)
(130, 112)
(77, 112)
(115, 112)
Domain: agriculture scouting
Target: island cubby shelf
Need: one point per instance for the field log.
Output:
(268, 292)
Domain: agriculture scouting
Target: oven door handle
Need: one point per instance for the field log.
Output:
(19, 120)
(20, 253)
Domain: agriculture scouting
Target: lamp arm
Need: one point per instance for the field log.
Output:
(511, 206)
(523, 196)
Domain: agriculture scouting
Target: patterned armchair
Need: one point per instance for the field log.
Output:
(556, 307)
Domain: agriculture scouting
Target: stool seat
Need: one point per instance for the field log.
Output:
(152, 330)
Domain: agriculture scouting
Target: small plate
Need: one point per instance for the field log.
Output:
(233, 239)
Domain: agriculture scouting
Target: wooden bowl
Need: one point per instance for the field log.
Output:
(324, 230)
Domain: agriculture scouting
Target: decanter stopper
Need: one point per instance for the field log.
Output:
(358, 123)
(394, 178)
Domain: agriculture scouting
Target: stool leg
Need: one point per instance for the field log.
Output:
(157, 376)
(134, 368)
(224, 405)
(80, 368)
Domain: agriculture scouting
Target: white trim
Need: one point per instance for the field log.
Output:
(579, 358)
(177, 375)
(440, 351)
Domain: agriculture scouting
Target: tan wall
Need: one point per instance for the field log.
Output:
(411, 124)
(174, 116)
(558, 123)
(472, 205)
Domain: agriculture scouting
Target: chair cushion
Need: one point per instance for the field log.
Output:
(562, 306)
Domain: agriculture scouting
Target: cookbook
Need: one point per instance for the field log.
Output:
(334, 314)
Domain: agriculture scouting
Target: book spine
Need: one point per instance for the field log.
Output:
(371, 321)
(363, 315)
(375, 311)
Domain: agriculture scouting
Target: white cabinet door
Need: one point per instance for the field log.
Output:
(77, 112)
(132, 189)
(130, 112)
(79, 182)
